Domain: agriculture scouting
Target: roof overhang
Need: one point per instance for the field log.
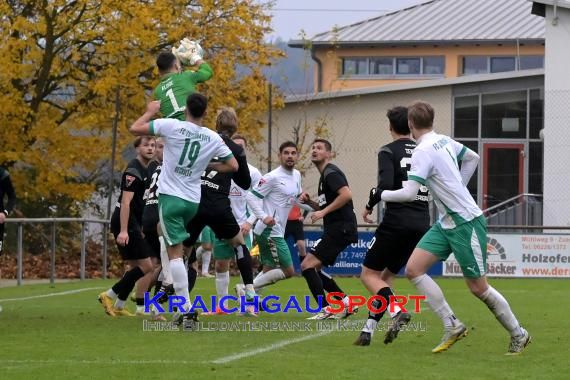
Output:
(306, 44)
(428, 83)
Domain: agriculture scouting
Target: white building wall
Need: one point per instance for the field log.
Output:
(557, 119)
(358, 127)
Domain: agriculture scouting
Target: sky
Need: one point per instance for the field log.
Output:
(315, 16)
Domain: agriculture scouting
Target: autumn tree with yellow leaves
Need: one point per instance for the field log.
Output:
(61, 62)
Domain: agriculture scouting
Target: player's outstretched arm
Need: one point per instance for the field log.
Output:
(344, 196)
(406, 194)
(385, 178)
(203, 73)
(242, 177)
(141, 127)
(306, 203)
(469, 164)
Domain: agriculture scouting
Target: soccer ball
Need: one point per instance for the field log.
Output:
(188, 52)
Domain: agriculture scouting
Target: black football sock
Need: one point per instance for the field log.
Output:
(126, 284)
(315, 285)
(243, 260)
(377, 304)
(330, 285)
(192, 274)
(157, 287)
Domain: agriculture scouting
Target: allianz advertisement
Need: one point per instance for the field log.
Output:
(519, 255)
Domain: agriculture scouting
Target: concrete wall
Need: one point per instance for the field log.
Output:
(557, 119)
(358, 128)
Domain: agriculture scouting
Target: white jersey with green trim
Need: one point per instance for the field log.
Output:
(188, 149)
(435, 163)
(238, 196)
(279, 190)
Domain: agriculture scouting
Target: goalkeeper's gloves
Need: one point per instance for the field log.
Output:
(194, 53)
(374, 197)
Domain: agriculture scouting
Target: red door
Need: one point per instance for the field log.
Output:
(503, 172)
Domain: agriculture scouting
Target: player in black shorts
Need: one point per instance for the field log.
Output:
(215, 208)
(401, 229)
(126, 226)
(150, 223)
(339, 225)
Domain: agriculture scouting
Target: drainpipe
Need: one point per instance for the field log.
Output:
(319, 70)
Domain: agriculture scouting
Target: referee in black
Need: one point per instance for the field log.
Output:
(401, 229)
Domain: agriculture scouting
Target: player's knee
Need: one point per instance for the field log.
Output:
(222, 266)
(289, 272)
(412, 272)
(478, 286)
(146, 266)
(306, 264)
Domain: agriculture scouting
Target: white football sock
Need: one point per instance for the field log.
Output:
(120, 304)
(180, 281)
(111, 293)
(206, 256)
(165, 262)
(370, 326)
(435, 299)
(249, 288)
(222, 283)
(268, 278)
(500, 307)
(396, 311)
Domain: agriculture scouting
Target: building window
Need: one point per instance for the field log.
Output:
(503, 115)
(466, 113)
(528, 62)
(389, 67)
(355, 66)
(502, 64)
(475, 65)
(487, 64)
(381, 66)
(433, 65)
(408, 66)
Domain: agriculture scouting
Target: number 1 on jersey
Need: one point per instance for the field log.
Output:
(172, 98)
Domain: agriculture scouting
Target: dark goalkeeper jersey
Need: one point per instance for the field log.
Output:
(394, 162)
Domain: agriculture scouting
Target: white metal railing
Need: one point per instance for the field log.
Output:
(84, 221)
(523, 210)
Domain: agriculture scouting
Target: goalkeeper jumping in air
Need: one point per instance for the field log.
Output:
(174, 88)
(175, 85)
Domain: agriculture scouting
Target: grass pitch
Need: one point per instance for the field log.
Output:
(68, 336)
